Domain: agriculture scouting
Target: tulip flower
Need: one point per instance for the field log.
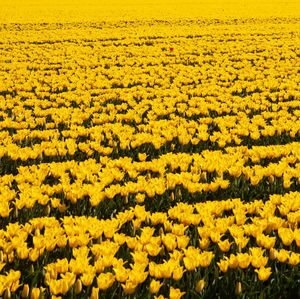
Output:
(263, 273)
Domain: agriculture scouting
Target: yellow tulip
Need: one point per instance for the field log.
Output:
(166, 270)
(140, 198)
(35, 293)
(86, 279)
(95, 293)
(153, 249)
(105, 280)
(200, 286)
(238, 288)
(190, 263)
(241, 241)
(205, 258)
(286, 235)
(25, 291)
(169, 241)
(175, 293)
(297, 236)
(294, 259)
(263, 273)
(282, 255)
(244, 260)
(142, 157)
(182, 241)
(178, 272)
(233, 261)
(223, 265)
(259, 261)
(154, 286)
(121, 273)
(224, 245)
(204, 243)
(129, 287)
(22, 252)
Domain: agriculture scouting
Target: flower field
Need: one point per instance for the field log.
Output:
(150, 150)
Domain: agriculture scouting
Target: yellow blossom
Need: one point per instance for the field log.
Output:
(25, 291)
(178, 272)
(224, 245)
(154, 286)
(223, 265)
(129, 287)
(175, 293)
(95, 293)
(238, 288)
(105, 280)
(200, 285)
(263, 273)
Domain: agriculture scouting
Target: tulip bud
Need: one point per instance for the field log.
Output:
(78, 286)
(238, 288)
(126, 200)
(47, 210)
(172, 196)
(200, 285)
(25, 291)
(179, 193)
(16, 213)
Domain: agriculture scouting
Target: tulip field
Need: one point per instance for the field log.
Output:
(149, 149)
